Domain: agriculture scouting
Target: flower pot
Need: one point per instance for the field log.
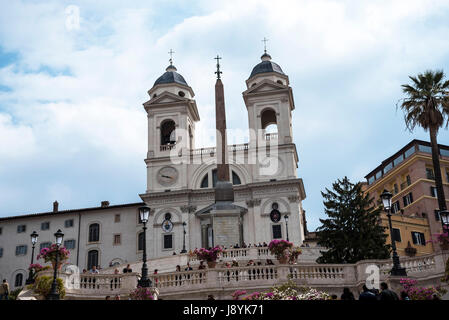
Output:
(283, 260)
(211, 264)
(59, 265)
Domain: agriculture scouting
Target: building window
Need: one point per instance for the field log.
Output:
(425, 149)
(214, 178)
(45, 225)
(409, 152)
(398, 160)
(395, 207)
(1, 252)
(117, 218)
(433, 191)
(44, 245)
(408, 199)
(235, 178)
(277, 231)
(117, 239)
(18, 280)
(168, 241)
(21, 250)
(430, 174)
(395, 188)
(69, 244)
(418, 238)
(437, 215)
(68, 223)
(397, 235)
(92, 259)
(409, 181)
(94, 232)
(205, 182)
(140, 241)
(447, 176)
(21, 228)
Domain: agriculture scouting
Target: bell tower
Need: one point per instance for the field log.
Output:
(269, 102)
(172, 114)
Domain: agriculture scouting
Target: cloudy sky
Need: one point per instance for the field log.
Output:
(72, 125)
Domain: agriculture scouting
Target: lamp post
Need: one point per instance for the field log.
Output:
(54, 294)
(144, 213)
(34, 237)
(286, 224)
(184, 238)
(396, 270)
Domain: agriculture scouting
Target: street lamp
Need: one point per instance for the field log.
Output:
(54, 295)
(286, 224)
(396, 270)
(144, 213)
(444, 216)
(34, 237)
(184, 239)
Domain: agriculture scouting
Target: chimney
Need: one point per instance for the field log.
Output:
(55, 206)
(104, 204)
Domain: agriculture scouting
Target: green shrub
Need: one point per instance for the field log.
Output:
(13, 294)
(43, 286)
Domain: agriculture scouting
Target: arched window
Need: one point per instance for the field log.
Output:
(94, 232)
(168, 132)
(18, 280)
(214, 178)
(205, 181)
(235, 178)
(140, 241)
(92, 259)
(269, 122)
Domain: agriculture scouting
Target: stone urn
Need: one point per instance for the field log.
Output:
(59, 265)
(283, 260)
(211, 264)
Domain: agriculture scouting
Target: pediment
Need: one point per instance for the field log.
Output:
(265, 85)
(167, 97)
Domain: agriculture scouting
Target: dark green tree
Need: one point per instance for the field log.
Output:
(352, 231)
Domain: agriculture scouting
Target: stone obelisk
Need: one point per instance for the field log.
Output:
(223, 189)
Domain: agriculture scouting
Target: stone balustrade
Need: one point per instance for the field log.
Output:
(222, 281)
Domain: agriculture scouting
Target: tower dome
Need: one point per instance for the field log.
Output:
(266, 66)
(171, 76)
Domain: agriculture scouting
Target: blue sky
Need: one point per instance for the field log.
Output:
(72, 126)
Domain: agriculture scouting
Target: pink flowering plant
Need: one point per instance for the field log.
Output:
(420, 293)
(208, 255)
(293, 254)
(286, 291)
(280, 248)
(441, 238)
(141, 293)
(49, 254)
(36, 267)
(237, 294)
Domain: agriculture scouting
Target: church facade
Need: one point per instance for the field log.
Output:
(181, 185)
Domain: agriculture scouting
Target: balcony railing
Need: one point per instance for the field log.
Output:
(167, 147)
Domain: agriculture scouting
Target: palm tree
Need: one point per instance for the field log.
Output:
(427, 106)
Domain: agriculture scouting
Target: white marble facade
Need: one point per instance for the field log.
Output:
(180, 182)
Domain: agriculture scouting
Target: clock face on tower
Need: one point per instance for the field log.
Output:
(167, 176)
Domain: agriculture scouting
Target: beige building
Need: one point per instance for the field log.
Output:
(409, 176)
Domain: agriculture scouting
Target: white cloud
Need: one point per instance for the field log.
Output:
(80, 92)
